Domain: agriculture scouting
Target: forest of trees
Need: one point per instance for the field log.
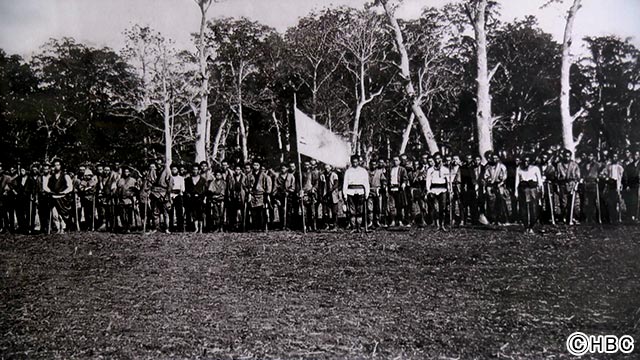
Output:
(456, 76)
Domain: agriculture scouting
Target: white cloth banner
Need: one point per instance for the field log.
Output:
(318, 142)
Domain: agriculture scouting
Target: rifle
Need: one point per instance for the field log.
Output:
(75, 206)
(598, 201)
(450, 195)
(50, 216)
(284, 221)
(146, 215)
(30, 213)
(551, 207)
(573, 203)
(184, 211)
(93, 211)
(205, 213)
(135, 211)
(365, 219)
(224, 216)
(244, 216)
(267, 212)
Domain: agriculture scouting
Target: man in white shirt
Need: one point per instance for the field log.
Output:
(177, 193)
(613, 174)
(438, 191)
(355, 189)
(398, 180)
(528, 189)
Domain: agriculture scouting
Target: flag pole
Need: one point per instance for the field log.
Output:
(304, 225)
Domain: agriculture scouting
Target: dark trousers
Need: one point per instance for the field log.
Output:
(399, 200)
(176, 214)
(528, 199)
(44, 212)
(565, 197)
(470, 206)
(631, 200)
(258, 218)
(614, 202)
(217, 214)
(377, 207)
(438, 206)
(126, 215)
(497, 210)
(159, 207)
(22, 213)
(355, 205)
(590, 205)
(88, 208)
(7, 217)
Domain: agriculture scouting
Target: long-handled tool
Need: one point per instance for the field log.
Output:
(450, 198)
(551, 207)
(75, 206)
(365, 219)
(573, 203)
(93, 212)
(50, 216)
(30, 214)
(598, 208)
(146, 216)
(284, 218)
(135, 211)
(244, 216)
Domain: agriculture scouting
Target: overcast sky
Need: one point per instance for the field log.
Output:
(27, 24)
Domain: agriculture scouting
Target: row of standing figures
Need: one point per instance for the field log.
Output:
(589, 202)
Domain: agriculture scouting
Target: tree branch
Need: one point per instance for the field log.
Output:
(578, 114)
(494, 70)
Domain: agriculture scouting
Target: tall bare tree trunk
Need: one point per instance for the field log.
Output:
(314, 96)
(168, 137)
(276, 123)
(355, 134)
(565, 85)
(243, 129)
(407, 134)
(201, 126)
(406, 74)
(218, 137)
(484, 118)
(207, 135)
(222, 146)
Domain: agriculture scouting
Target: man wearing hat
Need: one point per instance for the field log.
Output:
(259, 191)
(355, 189)
(496, 193)
(126, 192)
(86, 189)
(160, 196)
(5, 195)
(59, 188)
(438, 187)
(567, 177)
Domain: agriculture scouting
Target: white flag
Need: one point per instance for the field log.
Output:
(318, 142)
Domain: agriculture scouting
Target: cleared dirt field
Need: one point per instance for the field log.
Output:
(466, 294)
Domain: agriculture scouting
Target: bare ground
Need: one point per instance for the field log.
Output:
(466, 294)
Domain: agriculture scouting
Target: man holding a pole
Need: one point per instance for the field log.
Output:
(568, 176)
(591, 193)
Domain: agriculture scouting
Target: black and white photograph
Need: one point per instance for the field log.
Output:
(319, 179)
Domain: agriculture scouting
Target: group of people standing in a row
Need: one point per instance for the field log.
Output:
(438, 190)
